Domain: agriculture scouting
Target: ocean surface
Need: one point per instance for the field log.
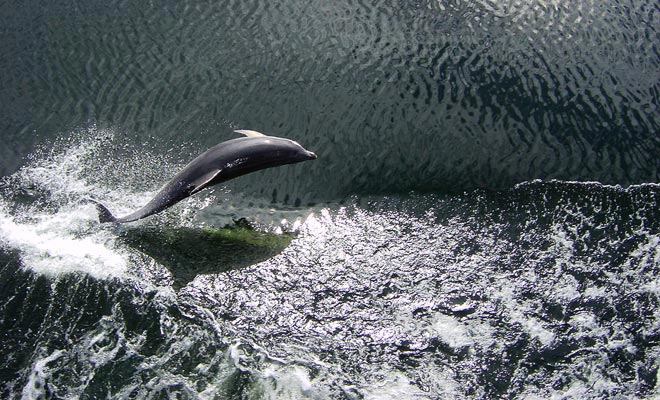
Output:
(483, 220)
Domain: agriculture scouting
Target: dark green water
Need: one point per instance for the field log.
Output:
(482, 221)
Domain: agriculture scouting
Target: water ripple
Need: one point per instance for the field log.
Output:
(435, 95)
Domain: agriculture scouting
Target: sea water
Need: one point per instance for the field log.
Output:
(482, 220)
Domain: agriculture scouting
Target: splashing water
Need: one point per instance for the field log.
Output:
(45, 213)
(548, 289)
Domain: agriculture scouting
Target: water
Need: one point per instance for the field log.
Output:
(482, 221)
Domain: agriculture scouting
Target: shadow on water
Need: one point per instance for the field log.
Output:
(188, 252)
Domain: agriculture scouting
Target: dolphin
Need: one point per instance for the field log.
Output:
(218, 164)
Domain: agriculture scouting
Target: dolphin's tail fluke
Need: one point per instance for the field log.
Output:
(104, 214)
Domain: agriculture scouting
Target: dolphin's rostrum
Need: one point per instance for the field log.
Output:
(218, 164)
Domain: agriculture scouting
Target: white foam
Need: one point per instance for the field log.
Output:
(51, 244)
(532, 325)
(566, 288)
(287, 382)
(647, 253)
(393, 386)
(452, 332)
(58, 232)
(36, 383)
(586, 323)
(276, 379)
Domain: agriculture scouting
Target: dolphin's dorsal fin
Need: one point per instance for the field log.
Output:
(203, 181)
(249, 133)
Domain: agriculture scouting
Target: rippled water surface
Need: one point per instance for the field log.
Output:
(482, 220)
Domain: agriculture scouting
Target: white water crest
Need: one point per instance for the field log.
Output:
(52, 245)
(44, 218)
(45, 215)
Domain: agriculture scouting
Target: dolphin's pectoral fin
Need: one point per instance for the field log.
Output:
(203, 181)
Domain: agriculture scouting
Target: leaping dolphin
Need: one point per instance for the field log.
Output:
(218, 164)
